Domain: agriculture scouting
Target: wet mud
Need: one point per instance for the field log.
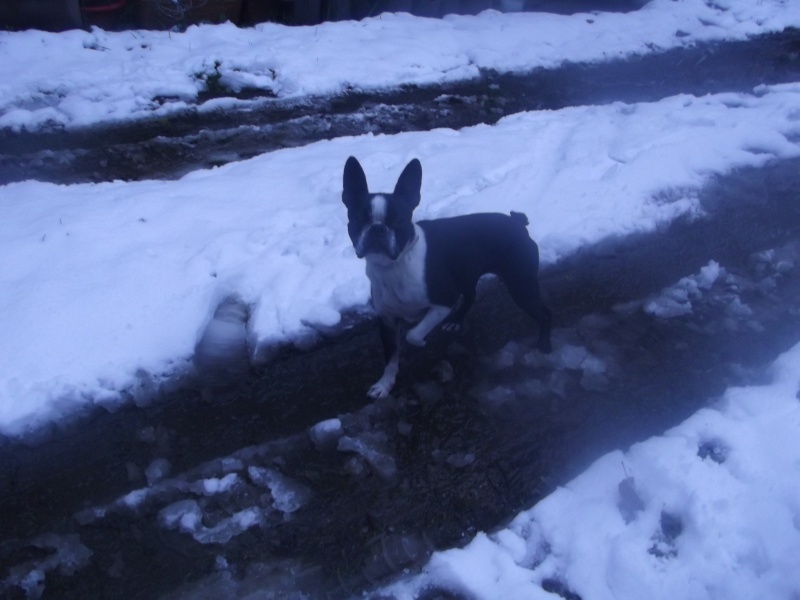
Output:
(293, 484)
(170, 147)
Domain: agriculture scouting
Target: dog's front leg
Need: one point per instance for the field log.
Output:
(435, 315)
(390, 339)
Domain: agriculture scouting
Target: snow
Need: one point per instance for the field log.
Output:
(676, 300)
(78, 78)
(218, 485)
(710, 509)
(288, 495)
(64, 554)
(326, 433)
(114, 283)
(187, 517)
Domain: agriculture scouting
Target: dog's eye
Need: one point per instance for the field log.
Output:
(358, 213)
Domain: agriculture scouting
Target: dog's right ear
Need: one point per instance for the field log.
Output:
(354, 183)
(409, 184)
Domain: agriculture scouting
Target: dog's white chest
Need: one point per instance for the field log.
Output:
(398, 287)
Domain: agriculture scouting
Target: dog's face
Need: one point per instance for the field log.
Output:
(380, 225)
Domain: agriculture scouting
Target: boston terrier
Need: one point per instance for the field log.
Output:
(425, 273)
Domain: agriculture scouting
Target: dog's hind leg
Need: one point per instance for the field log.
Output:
(524, 289)
(455, 319)
(390, 339)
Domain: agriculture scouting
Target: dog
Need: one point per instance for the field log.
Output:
(425, 273)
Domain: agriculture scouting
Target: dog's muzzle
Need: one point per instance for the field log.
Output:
(377, 239)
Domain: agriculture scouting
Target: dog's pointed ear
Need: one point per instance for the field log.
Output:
(354, 183)
(409, 184)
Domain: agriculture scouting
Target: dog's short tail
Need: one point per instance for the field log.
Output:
(521, 217)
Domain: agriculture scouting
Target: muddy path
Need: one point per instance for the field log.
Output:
(170, 147)
(227, 494)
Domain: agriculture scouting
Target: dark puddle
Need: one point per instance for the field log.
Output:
(226, 494)
(170, 147)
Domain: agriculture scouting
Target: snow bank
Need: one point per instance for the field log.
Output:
(709, 510)
(78, 78)
(109, 284)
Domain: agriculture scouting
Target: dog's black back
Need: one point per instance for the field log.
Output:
(463, 249)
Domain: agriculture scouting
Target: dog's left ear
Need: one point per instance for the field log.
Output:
(409, 184)
(354, 183)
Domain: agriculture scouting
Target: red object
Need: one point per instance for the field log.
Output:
(100, 8)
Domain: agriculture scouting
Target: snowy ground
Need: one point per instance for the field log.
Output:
(75, 79)
(117, 278)
(106, 284)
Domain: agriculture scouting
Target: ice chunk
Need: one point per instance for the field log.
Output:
(534, 359)
(570, 357)
(187, 517)
(226, 529)
(135, 498)
(593, 365)
(507, 356)
(675, 301)
(184, 515)
(737, 309)
(32, 582)
(668, 308)
(214, 485)
(372, 447)
(65, 553)
(287, 495)
(157, 470)
(326, 433)
(709, 275)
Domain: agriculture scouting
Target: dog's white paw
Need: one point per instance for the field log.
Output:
(415, 339)
(379, 390)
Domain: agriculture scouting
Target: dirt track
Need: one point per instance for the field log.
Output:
(170, 148)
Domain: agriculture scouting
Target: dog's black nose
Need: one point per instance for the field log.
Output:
(378, 240)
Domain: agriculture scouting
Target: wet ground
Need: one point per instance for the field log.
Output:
(222, 495)
(170, 147)
(291, 483)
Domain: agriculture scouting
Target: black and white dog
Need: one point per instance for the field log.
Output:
(425, 273)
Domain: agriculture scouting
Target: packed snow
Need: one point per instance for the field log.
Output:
(81, 78)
